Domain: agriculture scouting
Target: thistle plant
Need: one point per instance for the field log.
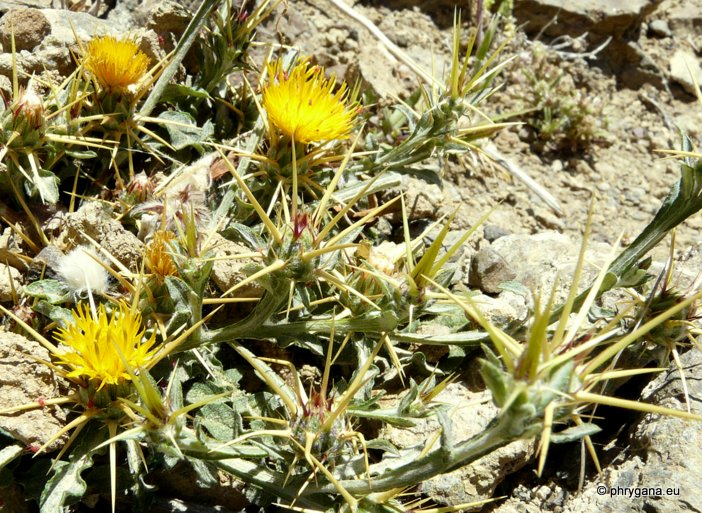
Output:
(165, 368)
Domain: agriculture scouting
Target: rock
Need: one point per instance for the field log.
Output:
(575, 17)
(683, 66)
(228, 270)
(492, 232)
(45, 264)
(488, 269)
(536, 261)
(536, 500)
(94, 219)
(659, 28)
(471, 413)
(149, 44)
(25, 380)
(19, 4)
(422, 200)
(57, 46)
(376, 67)
(10, 251)
(684, 18)
(9, 281)
(167, 16)
(501, 310)
(547, 218)
(687, 268)
(29, 27)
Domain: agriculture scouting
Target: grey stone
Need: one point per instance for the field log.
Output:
(488, 269)
(57, 47)
(9, 281)
(29, 27)
(18, 4)
(422, 200)
(10, 251)
(683, 66)
(547, 218)
(377, 70)
(492, 232)
(228, 270)
(659, 28)
(537, 261)
(501, 310)
(684, 18)
(25, 380)
(574, 17)
(167, 16)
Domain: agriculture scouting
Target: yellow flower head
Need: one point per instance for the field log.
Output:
(101, 347)
(157, 258)
(115, 63)
(303, 105)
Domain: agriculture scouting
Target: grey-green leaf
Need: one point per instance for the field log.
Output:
(65, 485)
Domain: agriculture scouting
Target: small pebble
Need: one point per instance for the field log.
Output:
(659, 28)
(492, 232)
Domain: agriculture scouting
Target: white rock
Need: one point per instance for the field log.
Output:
(9, 279)
(683, 67)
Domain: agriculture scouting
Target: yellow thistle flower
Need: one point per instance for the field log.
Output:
(101, 348)
(115, 63)
(302, 104)
(157, 259)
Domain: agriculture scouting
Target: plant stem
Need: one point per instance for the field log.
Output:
(500, 433)
(189, 36)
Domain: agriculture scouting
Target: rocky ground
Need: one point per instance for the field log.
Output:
(620, 73)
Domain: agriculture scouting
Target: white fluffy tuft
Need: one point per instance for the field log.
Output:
(81, 272)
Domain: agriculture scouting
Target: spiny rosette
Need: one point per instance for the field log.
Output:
(302, 104)
(115, 63)
(103, 348)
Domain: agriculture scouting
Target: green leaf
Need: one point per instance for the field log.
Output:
(65, 485)
(464, 338)
(81, 154)
(190, 35)
(409, 398)
(206, 477)
(388, 416)
(516, 288)
(179, 293)
(496, 380)
(243, 233)
(53, 291)
(183, 131)
(575, 433)
(174, 93)
(383, 445)
(45, 183)
(220, 421)
(58, 314)
(9, 453)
